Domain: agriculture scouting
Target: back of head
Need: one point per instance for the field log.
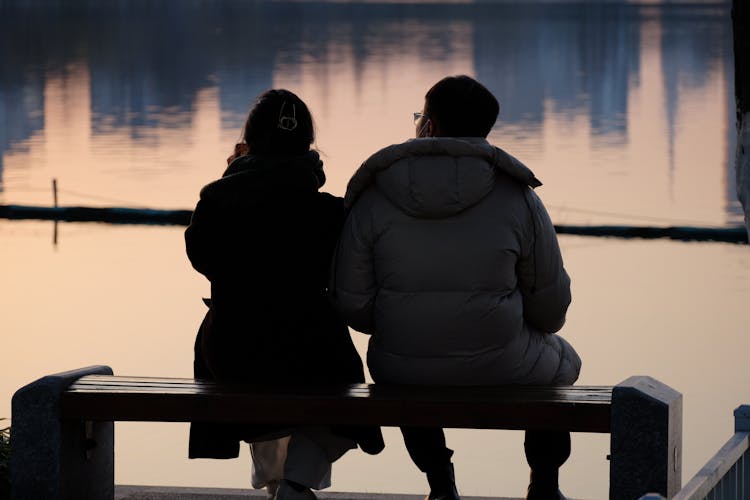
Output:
(460, 106)
(279, 124)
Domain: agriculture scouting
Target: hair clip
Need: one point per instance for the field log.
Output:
(288, 123)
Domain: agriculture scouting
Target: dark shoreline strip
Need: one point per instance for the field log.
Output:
(110, 215)
(117, 215)
(736, 234)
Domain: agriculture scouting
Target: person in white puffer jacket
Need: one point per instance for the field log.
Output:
(449, 260)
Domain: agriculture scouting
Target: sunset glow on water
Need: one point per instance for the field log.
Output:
(624, 111)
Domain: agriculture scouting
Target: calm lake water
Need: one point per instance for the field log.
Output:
(625, 111)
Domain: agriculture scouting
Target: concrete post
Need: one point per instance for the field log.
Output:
(645, 439)
(52, 459)
(742, 418)
(742, 424)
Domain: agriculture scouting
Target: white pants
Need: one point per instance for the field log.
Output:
(305, 457)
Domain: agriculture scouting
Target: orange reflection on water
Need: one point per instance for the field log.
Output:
(665, 170)
(126, 296)
(667, 165)
(160, 166)
(360, 109)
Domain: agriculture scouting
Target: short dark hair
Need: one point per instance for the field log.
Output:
(461, 107)
(279, 124)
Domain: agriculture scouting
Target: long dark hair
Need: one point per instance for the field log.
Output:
(279, 124)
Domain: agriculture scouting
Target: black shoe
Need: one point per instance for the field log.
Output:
(289, 490)
(442, 484)
(447, 495)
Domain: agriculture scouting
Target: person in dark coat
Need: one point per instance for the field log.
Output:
(264, 235)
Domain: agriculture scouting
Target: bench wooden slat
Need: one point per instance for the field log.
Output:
(577, 408)
(124, 379)
(584, 394)
(590, 397)
(133, 384)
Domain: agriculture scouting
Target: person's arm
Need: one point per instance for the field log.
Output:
(542, 279)
(201, 240)
(353, 284)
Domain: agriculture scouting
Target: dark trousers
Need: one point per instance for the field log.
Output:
(545, 450)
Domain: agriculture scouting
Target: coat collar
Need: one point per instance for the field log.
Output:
(263, 176)
(477, 147)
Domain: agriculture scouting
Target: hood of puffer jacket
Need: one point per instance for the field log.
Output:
(258, 179)
(437, 176)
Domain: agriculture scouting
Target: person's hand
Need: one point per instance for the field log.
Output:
(240, 149)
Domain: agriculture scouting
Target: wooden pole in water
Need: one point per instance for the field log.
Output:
(741, 34)
(54, 191)
(54, 198)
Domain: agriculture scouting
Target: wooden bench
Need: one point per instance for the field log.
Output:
(63, 431)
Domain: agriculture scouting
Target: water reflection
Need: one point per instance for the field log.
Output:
(580, 57)
(147, 61)
(617, 107)
(126, 296)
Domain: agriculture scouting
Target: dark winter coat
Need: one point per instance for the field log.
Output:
(264, 236)
(450, 261)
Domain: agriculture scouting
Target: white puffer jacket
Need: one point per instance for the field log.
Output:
(450, 261)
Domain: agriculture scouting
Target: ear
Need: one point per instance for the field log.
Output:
(429, 129)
